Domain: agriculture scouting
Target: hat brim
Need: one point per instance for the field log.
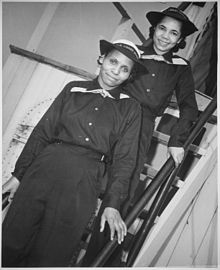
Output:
(155, 16)
(106, 46)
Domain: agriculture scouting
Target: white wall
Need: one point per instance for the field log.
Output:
(74, 32)
(19, 20)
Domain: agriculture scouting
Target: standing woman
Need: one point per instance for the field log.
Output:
(57, 177)
(167, 74)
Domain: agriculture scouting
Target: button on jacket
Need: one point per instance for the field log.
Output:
(155, 89)
(108, 126)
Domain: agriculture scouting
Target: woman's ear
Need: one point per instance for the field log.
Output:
(100, 59)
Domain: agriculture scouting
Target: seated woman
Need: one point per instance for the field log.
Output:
(57, 177)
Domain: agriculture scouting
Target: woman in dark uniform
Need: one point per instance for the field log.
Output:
(167, 74)
(57, 177)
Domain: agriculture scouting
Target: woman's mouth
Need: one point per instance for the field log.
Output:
(163, 43)
(113, 79)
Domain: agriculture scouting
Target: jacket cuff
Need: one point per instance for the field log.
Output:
(113, 200)
(174, 142)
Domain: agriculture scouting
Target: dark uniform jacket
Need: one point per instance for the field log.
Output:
(107, 126)
(153, 90)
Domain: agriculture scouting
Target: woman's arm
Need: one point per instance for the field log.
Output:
(41, 136)
(185, 94)
(124, 161)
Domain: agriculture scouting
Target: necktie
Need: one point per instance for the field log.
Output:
(102, 92)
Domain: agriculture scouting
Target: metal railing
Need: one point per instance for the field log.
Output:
(158, 181)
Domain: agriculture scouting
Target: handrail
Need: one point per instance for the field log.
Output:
(153, 212)
(159, 179)
(48, 61)
(148, 222)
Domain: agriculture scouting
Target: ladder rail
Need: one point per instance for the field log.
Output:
(159, 179)
(148, 222)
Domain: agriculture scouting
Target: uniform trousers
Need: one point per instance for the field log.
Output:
(51, 208)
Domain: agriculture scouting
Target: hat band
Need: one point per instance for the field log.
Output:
(125, 46)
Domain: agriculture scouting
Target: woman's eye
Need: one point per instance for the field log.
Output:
(174, 34)
(161, 27)
(125, 69)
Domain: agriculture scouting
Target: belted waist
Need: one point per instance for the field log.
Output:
(83, 150)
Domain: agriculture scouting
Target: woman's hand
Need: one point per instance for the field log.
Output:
(11, 186)
(116, 224)
(177, 154)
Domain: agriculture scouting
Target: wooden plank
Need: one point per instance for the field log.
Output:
(174, 211)
(45, 60)
(164, 138)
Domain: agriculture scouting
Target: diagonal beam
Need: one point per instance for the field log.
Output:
(134, 27)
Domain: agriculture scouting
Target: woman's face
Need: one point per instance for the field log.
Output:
(115, 69)
(166, 35)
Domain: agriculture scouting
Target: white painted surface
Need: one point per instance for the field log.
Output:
(38, 93)
(174, 241)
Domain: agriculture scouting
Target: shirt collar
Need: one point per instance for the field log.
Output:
(116, 92)
(149, 50)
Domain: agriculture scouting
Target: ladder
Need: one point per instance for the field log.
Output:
(167, 183)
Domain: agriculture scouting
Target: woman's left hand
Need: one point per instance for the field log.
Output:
(116, 223)
(177, 154)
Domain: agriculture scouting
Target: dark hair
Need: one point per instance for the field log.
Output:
(180, 45)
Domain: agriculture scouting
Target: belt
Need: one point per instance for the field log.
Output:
(84, 150)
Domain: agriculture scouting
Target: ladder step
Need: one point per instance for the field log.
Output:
(164, 138)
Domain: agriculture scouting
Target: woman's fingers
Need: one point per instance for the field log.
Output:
(116, 223)
(11, 186)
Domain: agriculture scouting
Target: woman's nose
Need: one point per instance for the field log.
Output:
(116, 70)
(165, 34)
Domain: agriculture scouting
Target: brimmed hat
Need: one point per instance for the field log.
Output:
(188, 27)
(124, 46)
